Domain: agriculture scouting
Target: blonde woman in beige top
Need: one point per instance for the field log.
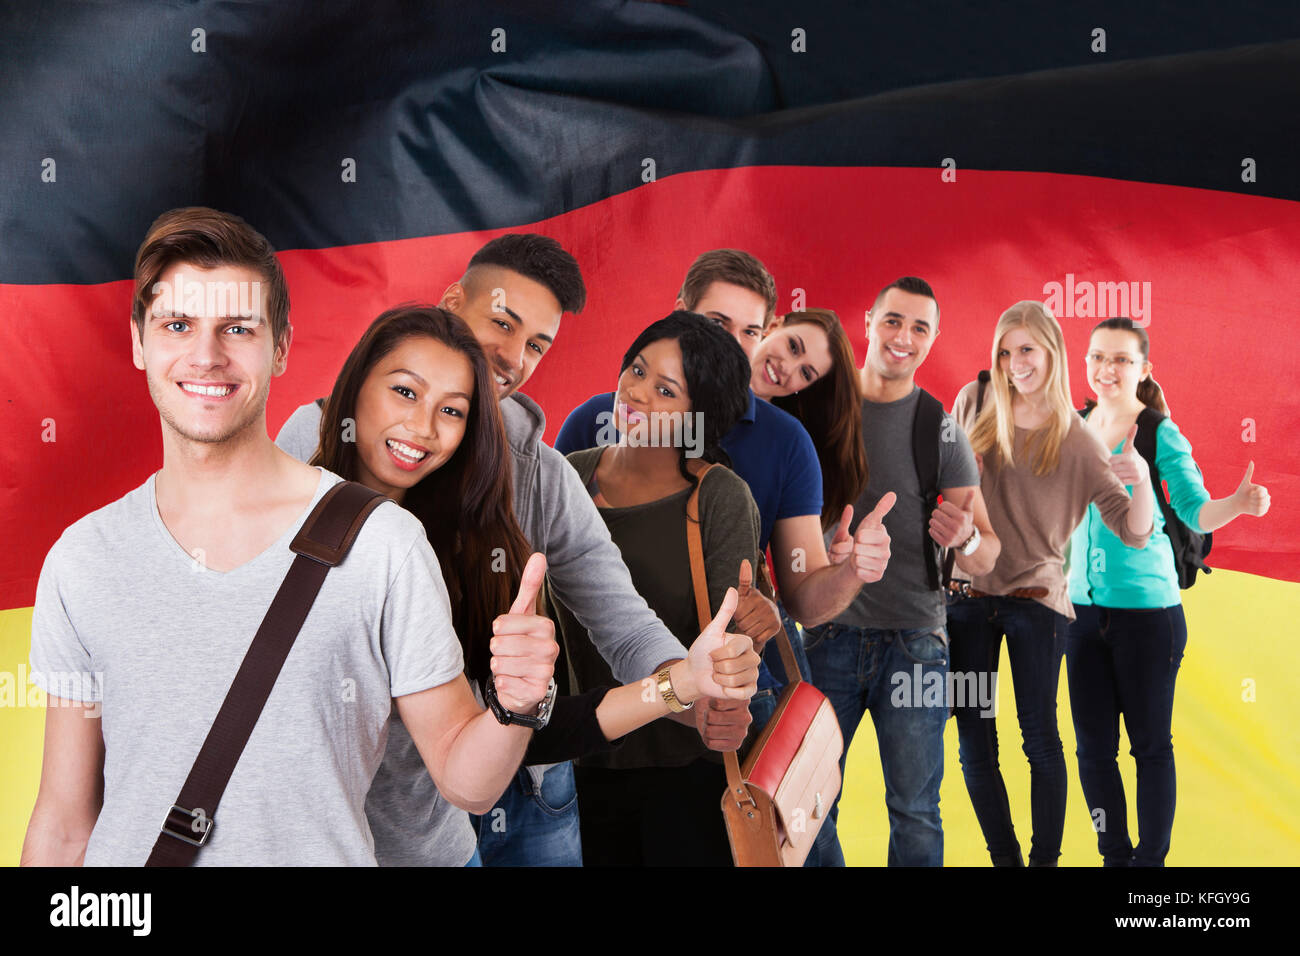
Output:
(1040, 469)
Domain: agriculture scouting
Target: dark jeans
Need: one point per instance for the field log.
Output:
(865, 670)
(826, 849)
(1126, 662)
(532, 826)
(1035, 637)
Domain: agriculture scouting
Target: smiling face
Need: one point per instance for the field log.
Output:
(208, 367)
(1024, 361)
(788, 359)
(740, 311)
(1115, 365)
(513, 317)
(411, 414)
(653, 385)
(901, 328)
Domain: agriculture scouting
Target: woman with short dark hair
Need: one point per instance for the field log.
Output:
(682, 386)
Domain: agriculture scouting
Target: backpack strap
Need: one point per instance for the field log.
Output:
(925, 457)
(1148, 421)
(950, 560)
(322, 543)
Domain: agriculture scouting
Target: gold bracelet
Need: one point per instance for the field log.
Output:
(666, 692)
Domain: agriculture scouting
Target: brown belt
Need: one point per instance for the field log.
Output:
(965, 590)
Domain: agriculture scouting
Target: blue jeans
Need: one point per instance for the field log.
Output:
(1035, 644)
(1126, 662)
(865, 670)
(532, 827)
(826, 849)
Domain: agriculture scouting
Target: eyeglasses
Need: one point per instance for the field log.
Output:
(1121, 362)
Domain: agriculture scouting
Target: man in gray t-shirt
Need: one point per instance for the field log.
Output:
(888, 653)
(145, 609)
(163, 659)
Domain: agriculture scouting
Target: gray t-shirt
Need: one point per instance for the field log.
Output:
(902, 599)
(163, 637)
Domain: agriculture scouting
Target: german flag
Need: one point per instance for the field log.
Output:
(1108, 161)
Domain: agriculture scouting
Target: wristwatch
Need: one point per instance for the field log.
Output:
(668, 694)
(536, 721)
(971, 544)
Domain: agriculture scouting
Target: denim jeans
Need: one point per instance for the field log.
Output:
(1035, 637)
(1126, 662)
(865, 670)
(530, 826)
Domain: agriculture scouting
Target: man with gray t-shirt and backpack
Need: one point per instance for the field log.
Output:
(888, 653)
(159, 602)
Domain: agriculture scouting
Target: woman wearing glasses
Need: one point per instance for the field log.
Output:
(1127, 639)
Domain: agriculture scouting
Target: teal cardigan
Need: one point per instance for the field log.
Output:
(1103, 571)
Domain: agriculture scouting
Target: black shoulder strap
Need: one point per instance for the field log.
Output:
(950, 560)
(925, 456)
(1148, 421)
(323, 542)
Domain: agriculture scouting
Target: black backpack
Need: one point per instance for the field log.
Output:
(925, 456)
(1190, 547)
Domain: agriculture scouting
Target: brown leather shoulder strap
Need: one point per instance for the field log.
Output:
(695, 546)
(323, 542)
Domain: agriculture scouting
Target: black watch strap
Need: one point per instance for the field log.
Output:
(505, 716)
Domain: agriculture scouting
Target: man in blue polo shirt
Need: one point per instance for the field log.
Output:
(771, 450)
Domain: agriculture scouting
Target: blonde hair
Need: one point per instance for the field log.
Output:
(995, 428)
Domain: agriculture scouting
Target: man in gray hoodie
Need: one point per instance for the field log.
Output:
(512, 295)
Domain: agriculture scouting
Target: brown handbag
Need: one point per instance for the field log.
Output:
(777, 800)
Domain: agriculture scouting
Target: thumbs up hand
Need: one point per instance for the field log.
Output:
(870, 554)
(841, 545)
(723, 665)
(1130, 467)
(755, 616)
(951, 525)
(1251, 499)
(523, 645)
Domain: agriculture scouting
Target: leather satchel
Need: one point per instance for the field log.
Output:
(320, 544)
(777, 801)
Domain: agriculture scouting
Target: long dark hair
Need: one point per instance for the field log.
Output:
(1149, 392)
(831, 410)
(465, 506)
(717, 376)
